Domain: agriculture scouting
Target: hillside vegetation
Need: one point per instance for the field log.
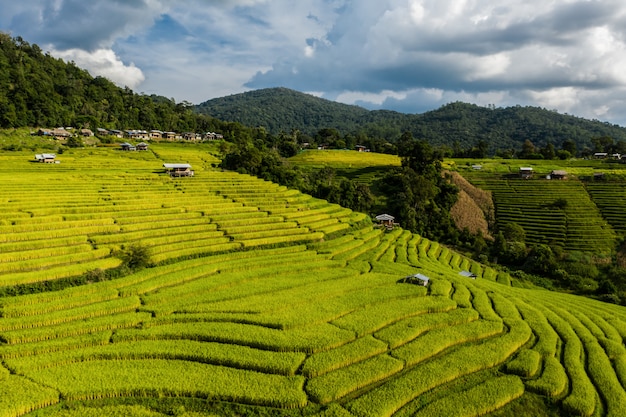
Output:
(260, 299)
(454, 125)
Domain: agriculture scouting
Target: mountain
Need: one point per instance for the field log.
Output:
(283, 110)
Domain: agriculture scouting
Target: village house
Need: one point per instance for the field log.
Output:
(386, 220)
(600, 155)
(417, 279)
(525, 172)
(86, 132)
(156, 134)
(212, 136)
(179, 170)
(142, 146)
(58, 133)
(128, 146)
(467, 274)
(191, 136)
(47, 158)
(137, 134)
(557, 174)
(171, 135)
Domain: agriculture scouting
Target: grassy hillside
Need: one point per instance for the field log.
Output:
(262, 300)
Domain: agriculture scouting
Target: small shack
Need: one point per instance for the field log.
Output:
(385, 220)
(467, 274)
(142, 146)
(46, 158)
(178, 170)
(557, 174)
(416, 279)
(526, 172)
(128, 146)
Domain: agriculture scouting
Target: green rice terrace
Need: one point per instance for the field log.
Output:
(264, 301)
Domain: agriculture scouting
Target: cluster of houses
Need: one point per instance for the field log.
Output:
(556, 174)
(65, 132)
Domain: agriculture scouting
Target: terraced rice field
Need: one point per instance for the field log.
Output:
(273, 301)
(610, 197)
(533, 204)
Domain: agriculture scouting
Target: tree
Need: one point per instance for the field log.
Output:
(513, 232)
(570, 146)
(528, 149)
(548, 151)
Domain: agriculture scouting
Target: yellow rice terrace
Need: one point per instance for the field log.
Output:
(260, 300)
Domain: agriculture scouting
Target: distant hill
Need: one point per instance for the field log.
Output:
(282, 109)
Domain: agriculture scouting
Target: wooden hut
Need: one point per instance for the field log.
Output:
(386, 220)
(179, 170)
(525, 172)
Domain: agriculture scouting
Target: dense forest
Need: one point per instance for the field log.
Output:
(38, 90)
(456, 125)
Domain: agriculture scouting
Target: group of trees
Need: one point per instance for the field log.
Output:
(39, 90)
(463, 129)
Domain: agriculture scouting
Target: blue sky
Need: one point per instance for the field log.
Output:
(405, 55)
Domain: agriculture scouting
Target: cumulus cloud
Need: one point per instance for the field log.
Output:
(104, 62)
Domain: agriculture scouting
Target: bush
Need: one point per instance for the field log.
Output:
(135, 256)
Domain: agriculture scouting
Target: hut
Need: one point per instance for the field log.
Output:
(525, 172)
(142, 146)
(557, 174)
(179, 170)
(46, 158)
(386, 220)
(417, 279)
(128, 146)
(467, 274)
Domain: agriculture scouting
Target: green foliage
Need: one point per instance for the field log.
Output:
(135, 256)
(464, 128)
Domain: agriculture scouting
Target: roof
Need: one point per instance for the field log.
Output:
(45, 156)
(525, 168)
(421, 277)
(385, 217)
(558, 172)
(467, 274)
(174, 166)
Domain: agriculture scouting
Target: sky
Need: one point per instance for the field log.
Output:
(405, 55)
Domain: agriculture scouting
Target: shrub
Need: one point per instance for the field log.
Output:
(135, 256)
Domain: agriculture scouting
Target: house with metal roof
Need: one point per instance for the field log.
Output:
(526, 172)
(47, 158)
(417, 279)
(558, 174)
(386, 220)
(179, 170)
(128, 146)
(467, 274)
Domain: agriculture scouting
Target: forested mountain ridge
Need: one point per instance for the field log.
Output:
(455, 124)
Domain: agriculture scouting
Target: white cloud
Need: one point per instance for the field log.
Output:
(104, 62)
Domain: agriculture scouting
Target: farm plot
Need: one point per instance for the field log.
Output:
(323, 324)
(551, 212)
(611, 200)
